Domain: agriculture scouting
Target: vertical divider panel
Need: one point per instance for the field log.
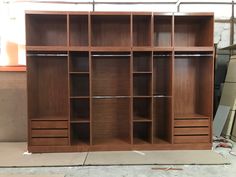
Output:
(131, 97)
(172, 78)
(90, 98)
(90, 80)
(152, 99)
(68, 75)
(131, 79)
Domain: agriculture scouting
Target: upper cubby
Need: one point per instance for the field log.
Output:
(142, 61)
(79, 62)
(142, 30)
(78, 30)
(46, 30)
(193, 31)
(110, 73)
(162, 31)
(110, 30)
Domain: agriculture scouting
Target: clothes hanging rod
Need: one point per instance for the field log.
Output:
(46, 55)
(109, 97)
(161, 96)
(184, 55)
(193, 55)
(105, 55)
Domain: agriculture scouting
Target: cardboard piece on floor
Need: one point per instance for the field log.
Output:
(231, 72)
(12, 156)
(38, 175)
(203, 157)
(228, 124)
(220, 119)
(228, 95)
(233, 137)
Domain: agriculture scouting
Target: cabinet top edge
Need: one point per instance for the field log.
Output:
(29, 12)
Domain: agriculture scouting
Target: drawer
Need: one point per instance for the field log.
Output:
(49, 133)
(191, 139)
(191, 123)
(192, 131)
(45, 124)
(49, 141)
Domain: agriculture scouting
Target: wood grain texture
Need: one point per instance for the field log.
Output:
(47, 82)
(162, 31)
(49, 141)
(44, 133)
(191, 131)
(162, 119)
(191, 139)
(191, 123)
(78, 26)
(111, 119)
(186, 85)
(105, 27)
(141, 30)
(46, 30)
(189, 31)
(110, 76)
(162, 72)
(49, 124)
(142, 61)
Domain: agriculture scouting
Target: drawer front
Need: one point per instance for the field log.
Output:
(49, 133)
(49, 141)
(192, 131)
(191, 123)
(49, 124)
(191, 139)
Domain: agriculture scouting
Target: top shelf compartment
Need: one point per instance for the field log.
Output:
(110, 30)
(78, 30)
(46, 30)
(162, 31)
(193, 31)
(142, 30)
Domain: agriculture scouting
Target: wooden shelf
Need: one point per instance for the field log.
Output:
(112, 49)
(46, 48)
(194, 49)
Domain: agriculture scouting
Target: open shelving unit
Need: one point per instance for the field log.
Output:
(119, 81)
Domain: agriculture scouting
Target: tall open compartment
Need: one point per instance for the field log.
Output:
(193, 96)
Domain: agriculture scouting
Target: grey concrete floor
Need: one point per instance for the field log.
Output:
(137, 170)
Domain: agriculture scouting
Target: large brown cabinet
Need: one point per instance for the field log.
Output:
(119, 81)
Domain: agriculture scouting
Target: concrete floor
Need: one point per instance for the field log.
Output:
(136, 171)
